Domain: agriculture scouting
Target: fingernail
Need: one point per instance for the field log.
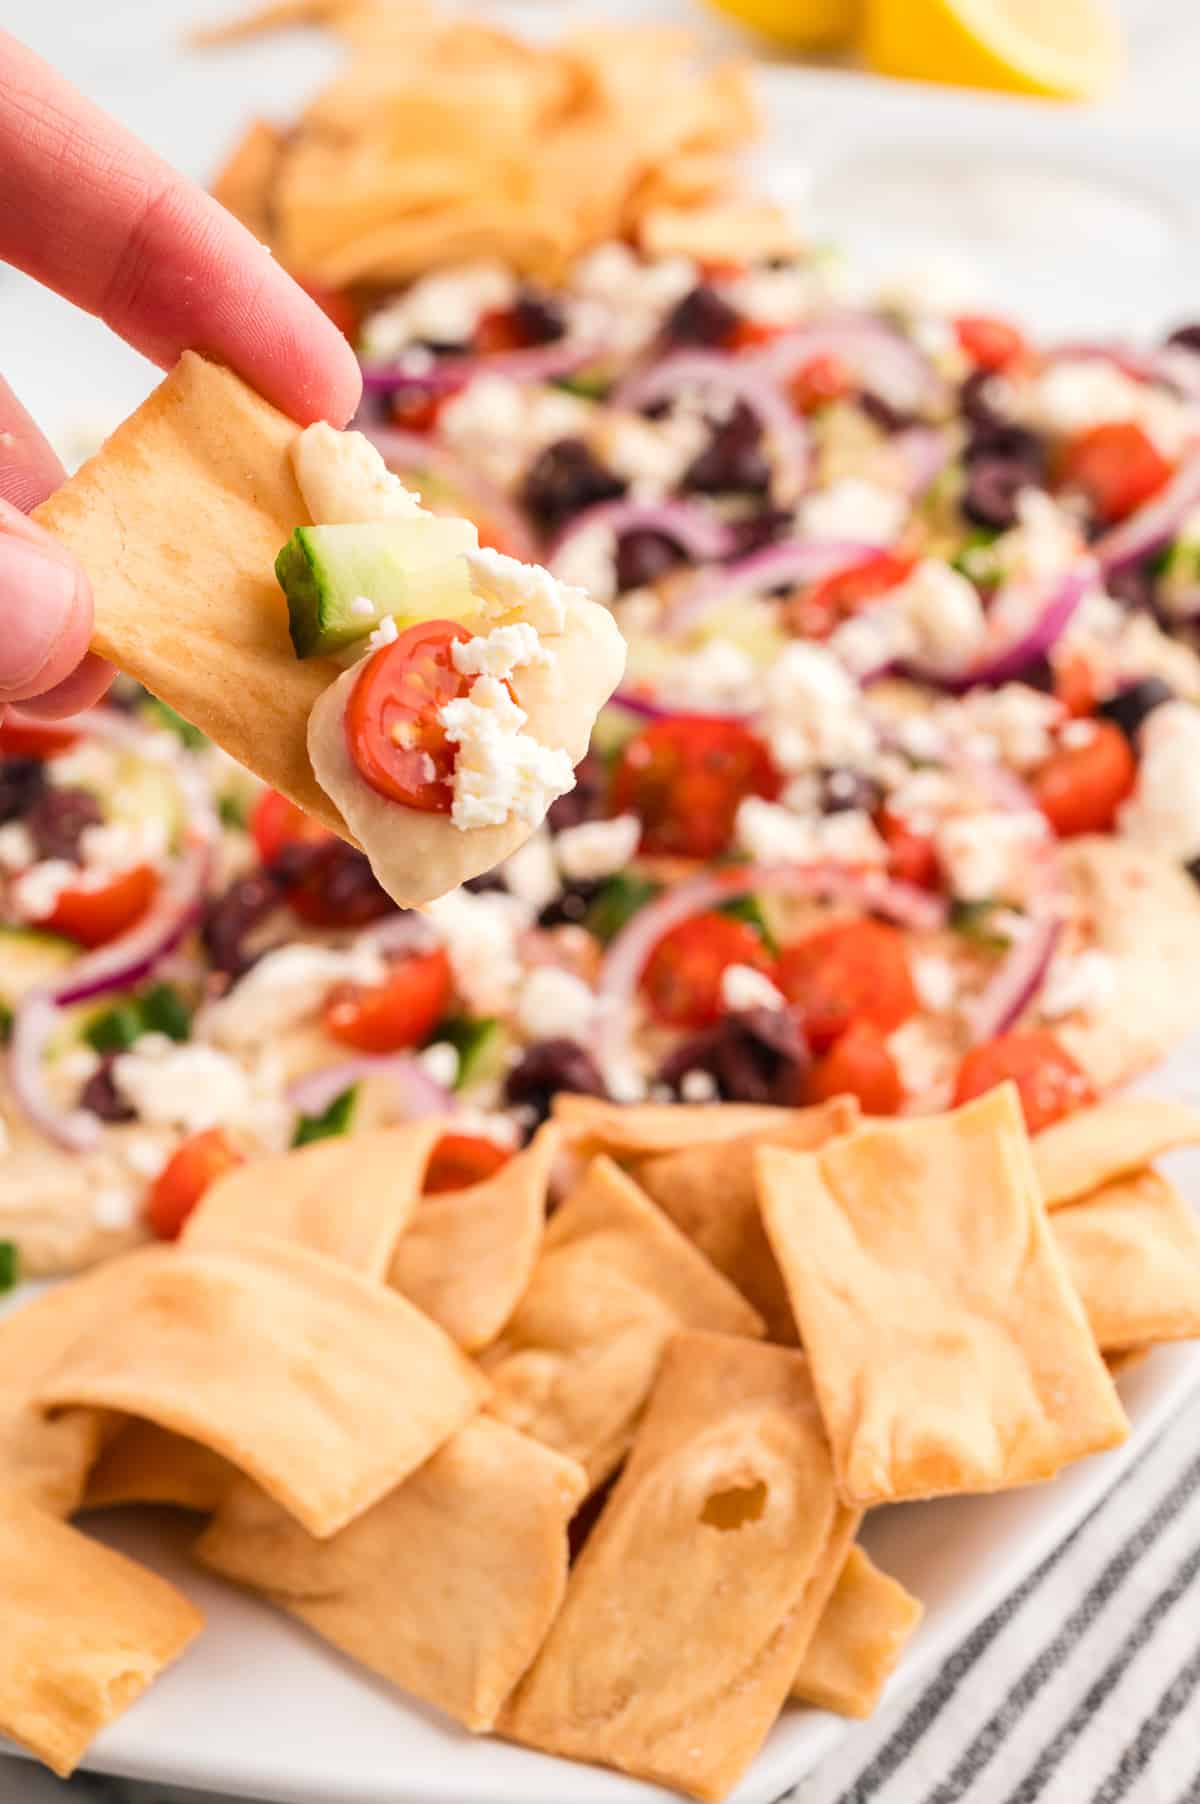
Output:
(38, 598)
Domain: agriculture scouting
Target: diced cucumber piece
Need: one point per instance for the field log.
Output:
(340, 581)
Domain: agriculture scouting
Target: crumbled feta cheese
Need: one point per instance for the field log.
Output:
(555, 1004)
(363, 607)
(772, 834)
(386, 633)
(588, 561)
(921, 799)
(16, 846)
(531, 873)
(697, 1087)
(850, 837)
(1076, 393)
(986, 856)
(443, 308)
(596, 849)
(489, 1125)
(1084, 983)
(498, 426)
(78, 1064)
(773, 297)
(36, 891)
(742, 987)
(286, 987)
(498, 653)
(944, 615)
(145, 1154)
(88, 765)
(651, 455)
(114, 1210)
(344, 480)
(1163, 814)
(1043, 544)
(1078, 733)
(191, 1087)
(1142, 649)
(510, 586)
(717, 676)
(1014, 721)
(111, 847)
(927, 1058)
(479, 932)
(500, 771)
(854, 509)
(634, 294)
(934, 981)
(814, 713)
(440, 1062)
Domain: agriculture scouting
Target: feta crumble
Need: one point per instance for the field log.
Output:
(531, 873)
(944, 615)
(1083, 984)
(596, 849)
(986, 856)
(190, 1087)
(555, 1004)
(440, 1062)
(509, 586)
(696, 1086)
(1163, 814)
(500, 771)
(814, 712)
(36, 891)
(499, 653)
(854, 509)
(443, 308)
(742, 987)
(479, 932)
(285, 988)
(345, 481)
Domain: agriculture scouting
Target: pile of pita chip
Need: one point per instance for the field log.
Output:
(512, 1447)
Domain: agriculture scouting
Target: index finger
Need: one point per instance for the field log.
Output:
(89, 211)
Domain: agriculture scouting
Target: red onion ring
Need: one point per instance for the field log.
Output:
(1017, 982)
(882, 358)
(538, 363)
(696, 531)
(790, 561)
(742, 378)
(421, 1094)
(925, 451)
(1154, 525)
(1008, 661)
(407, 453)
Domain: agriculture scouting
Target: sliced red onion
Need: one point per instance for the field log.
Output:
(1178, 368)
(740, 378)
(789, 561)
(1009, 661)
(1088, 350)
(880, 356)
(1017, 982)
(925, 451)
(698, 532)
(626, 957)
(649, 707)
(407, 453)
(1154, 525)
(419, 1093)
(538, 363)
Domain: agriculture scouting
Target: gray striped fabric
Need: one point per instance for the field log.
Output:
(1082, 1688)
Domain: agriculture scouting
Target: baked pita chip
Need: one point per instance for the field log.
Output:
(45, 1460)
(148, 1464)
(246, 181)
(85, 1632)
(296, 1370)
(949, 1350)
(743, 230)
(614, 1282)
(447, 1587)
(698, 1590)
(866, 1626)
(1126, 1359)
(1133, 1253)
(710, 1191)
(1144, 912)
(630, 1131)
(349, 1198)
(1121, 1135)
(467, 1256)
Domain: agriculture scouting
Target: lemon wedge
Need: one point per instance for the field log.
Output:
(798, 24)
(1067, 49)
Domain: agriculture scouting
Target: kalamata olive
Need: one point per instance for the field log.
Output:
(539, 316)
(564, 479)
(1192, 867)
(1186, 337)
(570, 907)
(1130, 706)
(1135, 587)
(733, 461)
(586, 802)
(231, 917)
(843, 789)
(100, 1095)
(485, 882)
(336, 881)
(22, 781)
(57, 820)
(755, 1055)
(1010, 443)
(546, 1068)
(974, 400)
(702, 317)
(643, 556)
(990, 496)
(881, 413)
(765, 526)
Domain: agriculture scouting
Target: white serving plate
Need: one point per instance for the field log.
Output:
(1079, 227)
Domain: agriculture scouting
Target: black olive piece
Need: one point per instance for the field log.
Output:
(586, 802)
(990, 496)
(733, 461)
(1135, 587)
(644, 555)
(564, 479)
(546, 1068)
(539, 317)
(571, 907)
(845, 789)
(100, 1095)
(881, 413)
(1131, 706)
(702, 317)
(754, 1055)
(1014, 444)
(57, 820)
(766, 526)
(973, 402)
(232, 916)
(1186, 337)
(22, 781)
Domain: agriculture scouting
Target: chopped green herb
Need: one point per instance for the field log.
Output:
(749, 909)
(616, 903)
(232, 811)
(976, 921)
(165, 1012)
(161, 1010)
(115, 1029)
(477, 1041)
(163, 715)
(6, 1023)
(592, 385)
(10, 1266)
(335, 1120)
(974, 557)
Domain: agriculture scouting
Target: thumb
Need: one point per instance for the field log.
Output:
(45, 609)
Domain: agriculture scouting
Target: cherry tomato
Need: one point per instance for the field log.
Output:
(848, 972)
(991, 344)
(749, 334)
(277, 823)
(823, 605)
(912, 856)
(401, 1011)
(417, 409)
(195, 1164)
(818, 382)
(29, 739)
(460, 1160)
(336, 305)
(1117, 466)
(397, 742)
(685, 777)
(1049, 1082)
(94, 916)
(1075, 687)
(500, 331)
(682, 977)
(859, 1064)
(1080, 787)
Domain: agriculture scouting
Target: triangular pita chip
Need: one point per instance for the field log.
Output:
(1133, 1252)
(865, 1627)
(148, 1464)
(636, 1130)
(1120, 1135)
(47, 1461)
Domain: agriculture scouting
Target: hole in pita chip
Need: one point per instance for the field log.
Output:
(734, 1508)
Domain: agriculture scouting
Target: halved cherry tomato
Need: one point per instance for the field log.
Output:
(858, 1065)
(912, 856)
(1049, 1082)
(818, 382)
(685, 778)
(500, 331)
(336, 305)
(29, 739)
(1117, 466)
(1075, 686)
(195, 1164)
(682, 977)
(749, 334)
(991, 344)
(1080, 787)
(848, 972)
(417, 409)
(817, 610)
(397, 742)
(460, 1160)
(93, 916)
(401, 1011)
(277, 824)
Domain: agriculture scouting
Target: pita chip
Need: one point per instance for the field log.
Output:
(468, 1255)
(688, 1611)
(46, 1461)
(949, 1351)
(865, 1627)
(334, 1417)
(148, 1464)
(349, 1198)
(447, 1587)
(1133, 1252)
(85, 1632)
(629, 1131)
(246, 179)
(710, 1191)
(1119, 1136)
(614, 1282)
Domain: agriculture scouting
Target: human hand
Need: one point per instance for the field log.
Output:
(93, 214)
